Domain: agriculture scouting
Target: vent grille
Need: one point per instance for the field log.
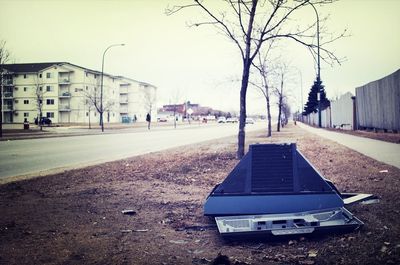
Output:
(272, 168)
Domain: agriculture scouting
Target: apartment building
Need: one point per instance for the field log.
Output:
(68, 93)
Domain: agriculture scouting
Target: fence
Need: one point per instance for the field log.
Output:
(376, 106)
(342, 112)
(378, 103)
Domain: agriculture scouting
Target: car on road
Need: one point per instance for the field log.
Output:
(43, 121)
(249, 121)
(232, 120)
(221, 120)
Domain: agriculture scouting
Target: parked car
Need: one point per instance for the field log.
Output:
(232, 120)
(163, 119)
(249, 121)
(45, 121)
(221, 120)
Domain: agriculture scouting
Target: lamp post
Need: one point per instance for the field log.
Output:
(101, 87)
(319, 69)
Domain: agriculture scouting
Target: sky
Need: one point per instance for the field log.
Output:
(196, 63)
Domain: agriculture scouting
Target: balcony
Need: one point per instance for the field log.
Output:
(65, 95)
(64, 108)
(123, 90)
(123, 102)
(8, 95)
(8, 82)
(123, 110)
(64, 81)
(8, 108)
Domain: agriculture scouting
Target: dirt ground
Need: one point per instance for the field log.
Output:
(378, 135)
(76, 217)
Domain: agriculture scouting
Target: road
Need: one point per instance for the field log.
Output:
(385, 152)
(49, 155)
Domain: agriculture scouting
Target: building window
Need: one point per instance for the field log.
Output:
(49, 88)
(16, 101)
(95, 114)
(26, 114)
(24, 89)
(26, 101)
(48, 75)
(95, 76)
(86, 73)
(86, 88)
(87, 114)
(50, 101)
(50, 114)
(40, 88)
(16, 88)
(40, 75)
(24, 76)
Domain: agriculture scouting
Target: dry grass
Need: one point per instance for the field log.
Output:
(75, 217)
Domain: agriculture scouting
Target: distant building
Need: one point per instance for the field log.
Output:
(66, 94)
(181, 111)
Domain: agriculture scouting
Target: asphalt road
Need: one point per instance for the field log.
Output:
(49, 155)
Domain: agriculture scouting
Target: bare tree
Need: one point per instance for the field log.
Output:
(149, 98)
(92, 100)
(89, 105)
(39, 98)
(265, 70)
(176, 98)
(283, 77)
(4, 58)
(249, 24)
(286, 112)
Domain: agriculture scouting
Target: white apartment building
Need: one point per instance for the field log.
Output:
(68, 93)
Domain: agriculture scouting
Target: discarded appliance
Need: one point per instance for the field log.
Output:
(275, 190)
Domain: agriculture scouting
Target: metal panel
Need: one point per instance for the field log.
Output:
(272, 168)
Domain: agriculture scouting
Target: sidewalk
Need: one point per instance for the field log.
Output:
(385, 152)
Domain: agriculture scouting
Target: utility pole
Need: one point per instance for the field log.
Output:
(101, 89)
(319, 70)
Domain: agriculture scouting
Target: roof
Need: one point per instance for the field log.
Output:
(36, 67)
(29, 67)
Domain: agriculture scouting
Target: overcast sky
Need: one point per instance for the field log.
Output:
(199, 63)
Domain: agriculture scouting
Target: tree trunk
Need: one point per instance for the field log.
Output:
(247, 59)
(269, 133)
(280, 104)
(90, 126)
(279, 116)
(174, 117)
(242, 118)
(40, 120)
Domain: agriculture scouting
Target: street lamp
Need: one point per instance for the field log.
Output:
(101, 88)
(319, 69)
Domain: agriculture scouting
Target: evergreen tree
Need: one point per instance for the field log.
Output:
(312, 102)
